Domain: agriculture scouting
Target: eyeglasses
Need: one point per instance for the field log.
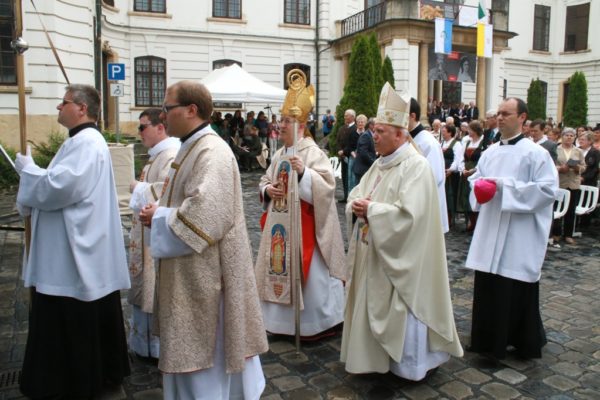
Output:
(166, 108)
(142, 127)
(64, 102)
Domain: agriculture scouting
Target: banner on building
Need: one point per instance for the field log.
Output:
(484, 40)
(468, 16)
(453, 67)
(443, 35)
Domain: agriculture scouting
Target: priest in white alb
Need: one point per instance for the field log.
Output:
(207, 312)
(514, 189)
(77, 263)
(162, 150)
(323, 267)
(399, 314)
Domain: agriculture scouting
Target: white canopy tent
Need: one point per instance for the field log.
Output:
(233, 84)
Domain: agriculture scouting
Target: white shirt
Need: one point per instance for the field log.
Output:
(511, 234)
(457, 149)
(77, 247)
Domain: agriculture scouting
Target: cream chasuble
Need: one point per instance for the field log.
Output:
(399, 266)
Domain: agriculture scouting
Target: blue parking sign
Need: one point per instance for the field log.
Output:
(116, 72)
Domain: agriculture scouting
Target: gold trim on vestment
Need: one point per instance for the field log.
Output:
(195, 229)
(176, 167)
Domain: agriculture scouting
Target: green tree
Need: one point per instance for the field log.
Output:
(377, 67)
(576, 108)
(536, 101)
(359, 90)
(387, 71)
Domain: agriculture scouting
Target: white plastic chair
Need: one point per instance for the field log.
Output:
(587, 203)
(563, 197)
(337, 167)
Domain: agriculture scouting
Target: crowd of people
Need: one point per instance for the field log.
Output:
(203, 308)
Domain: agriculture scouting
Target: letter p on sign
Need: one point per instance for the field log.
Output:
(116, 72)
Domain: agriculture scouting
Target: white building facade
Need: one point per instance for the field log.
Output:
(164, 41)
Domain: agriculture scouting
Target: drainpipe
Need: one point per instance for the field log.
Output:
(98, 50)
(317, 66)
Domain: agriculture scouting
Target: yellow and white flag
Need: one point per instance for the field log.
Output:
(484, 40)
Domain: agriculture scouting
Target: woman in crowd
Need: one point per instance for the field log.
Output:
(237, 126)
(570, 163)
(453, 158)
(474, 146)
(350, 150)
(273, 135)
(262, 124)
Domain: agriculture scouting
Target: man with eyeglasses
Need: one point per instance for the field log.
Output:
(162, 150)
(207, 312)
(514, 188)
(76, 264)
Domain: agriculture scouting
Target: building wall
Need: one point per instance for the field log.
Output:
(555, 66)
(70, 25)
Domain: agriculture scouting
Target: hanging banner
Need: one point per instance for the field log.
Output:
(443, 35)
(484, 40)
(453, 67)
(481, 11)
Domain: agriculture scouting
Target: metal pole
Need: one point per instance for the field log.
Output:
(296, 255)
(117, 130)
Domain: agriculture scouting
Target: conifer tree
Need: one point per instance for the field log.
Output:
(359, 91)
(387, 71)
(535, 101)
(576, 108)
(377, 65)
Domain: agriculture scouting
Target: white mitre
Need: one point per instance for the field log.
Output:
(393, 108)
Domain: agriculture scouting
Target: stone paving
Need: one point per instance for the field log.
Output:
(569, 368)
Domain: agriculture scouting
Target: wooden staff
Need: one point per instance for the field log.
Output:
(22, 110)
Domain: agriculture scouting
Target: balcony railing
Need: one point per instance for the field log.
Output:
(390, 9)
(364, 19)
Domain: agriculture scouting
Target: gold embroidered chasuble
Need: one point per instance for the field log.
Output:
(141, 263)
(327, 226)
(398, 264)
(204, 186)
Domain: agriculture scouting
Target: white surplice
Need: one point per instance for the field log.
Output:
(511, 234)
(77, 248)
(432, 151)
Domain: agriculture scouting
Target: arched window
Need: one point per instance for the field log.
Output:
(225, 63)
(150, 81)
(288, 67)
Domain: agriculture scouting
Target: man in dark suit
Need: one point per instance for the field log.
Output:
(536, 131)
(365, 152)
(342, 138)
(491, 133)
(472, 112)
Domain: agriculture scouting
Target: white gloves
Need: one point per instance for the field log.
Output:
(23, 160)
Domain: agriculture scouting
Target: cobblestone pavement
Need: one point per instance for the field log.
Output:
(569, 368)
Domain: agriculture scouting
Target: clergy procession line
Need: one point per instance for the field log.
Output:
(203, 309)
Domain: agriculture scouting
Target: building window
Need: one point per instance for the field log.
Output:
(156, 6)
(8, 61)
(109, 2)
(225, 63)
(297, 12)
(288, 67)
(576, 27)
(150, 81)
(541, 27)
(227, 8)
